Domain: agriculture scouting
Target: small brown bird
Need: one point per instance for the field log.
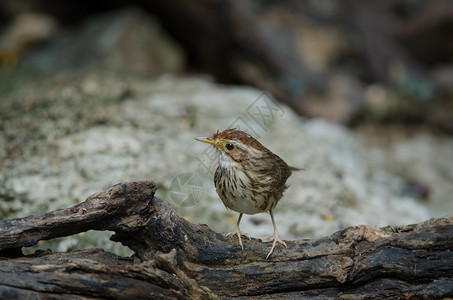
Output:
(249, 179)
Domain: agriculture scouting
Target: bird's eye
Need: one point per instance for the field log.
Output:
(229, 146)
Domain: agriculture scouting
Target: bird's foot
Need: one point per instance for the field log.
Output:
(239, 233)
(275, 239)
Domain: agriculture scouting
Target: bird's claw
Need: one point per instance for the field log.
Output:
(275, 239)
(239, 233)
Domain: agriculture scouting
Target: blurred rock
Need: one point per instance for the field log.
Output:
(444, 76)
(317, 45)
(422, 160)
(342, 102)
(380, 101)
(416, 189)
(127, 40)
(23, 34)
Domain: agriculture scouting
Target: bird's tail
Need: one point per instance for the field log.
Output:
(296, 169)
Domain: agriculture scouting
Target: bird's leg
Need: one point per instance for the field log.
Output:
(238, 232)
(275, 239)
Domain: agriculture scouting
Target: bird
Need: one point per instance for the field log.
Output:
(249, 178)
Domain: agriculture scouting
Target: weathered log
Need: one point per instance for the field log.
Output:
(178, 259)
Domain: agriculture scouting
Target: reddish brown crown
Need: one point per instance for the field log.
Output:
(237, 135)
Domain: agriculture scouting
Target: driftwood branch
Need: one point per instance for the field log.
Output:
(177, 259)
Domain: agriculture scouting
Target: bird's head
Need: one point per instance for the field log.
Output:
(236, 145)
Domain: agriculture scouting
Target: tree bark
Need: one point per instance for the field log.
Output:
(178, 259)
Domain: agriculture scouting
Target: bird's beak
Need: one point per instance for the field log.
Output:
(208, 140)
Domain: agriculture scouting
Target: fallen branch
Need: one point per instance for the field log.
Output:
(178, 259)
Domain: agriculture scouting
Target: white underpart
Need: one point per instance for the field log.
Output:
(239, 200)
